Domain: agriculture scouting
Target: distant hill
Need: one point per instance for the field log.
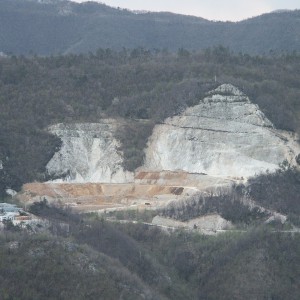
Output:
(58, 26)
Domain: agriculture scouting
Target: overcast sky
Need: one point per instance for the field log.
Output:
(233, 10)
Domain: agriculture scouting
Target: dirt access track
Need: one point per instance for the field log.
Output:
(149, 190)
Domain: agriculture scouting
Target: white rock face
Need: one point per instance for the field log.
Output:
(224, 135)
(89, 153)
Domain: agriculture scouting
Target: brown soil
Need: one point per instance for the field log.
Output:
(152, 189)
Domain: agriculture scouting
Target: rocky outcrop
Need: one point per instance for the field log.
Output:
(89, 153)
(224, 135)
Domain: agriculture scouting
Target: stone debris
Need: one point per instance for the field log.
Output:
(208, 224)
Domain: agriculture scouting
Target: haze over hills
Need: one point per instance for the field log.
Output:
(52, 27)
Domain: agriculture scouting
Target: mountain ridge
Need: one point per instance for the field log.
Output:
(52, 27)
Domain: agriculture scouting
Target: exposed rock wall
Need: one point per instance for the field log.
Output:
(224, 135)
(89, 153)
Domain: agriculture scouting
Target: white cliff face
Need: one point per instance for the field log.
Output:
(89, 153)
(224, 135)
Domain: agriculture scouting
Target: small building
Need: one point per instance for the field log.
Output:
(10, 216)
(10, 212)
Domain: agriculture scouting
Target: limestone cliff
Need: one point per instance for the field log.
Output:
(89, 153)
(224, 135)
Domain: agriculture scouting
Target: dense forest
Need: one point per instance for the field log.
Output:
(61, 27)
(86, 257)
(278, 191)
(140, 86)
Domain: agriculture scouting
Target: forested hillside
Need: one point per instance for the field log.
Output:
(131, 84)
(57, 27)
(80, 258)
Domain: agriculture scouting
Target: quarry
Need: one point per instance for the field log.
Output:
(149, 155)
(208, 148)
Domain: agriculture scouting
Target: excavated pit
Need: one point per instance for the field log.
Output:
(150, 189)
(225, 136)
